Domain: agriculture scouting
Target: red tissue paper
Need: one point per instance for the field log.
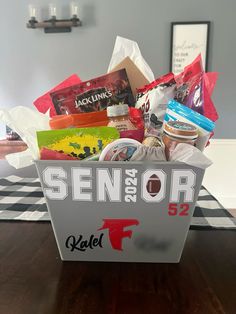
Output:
(43, 103)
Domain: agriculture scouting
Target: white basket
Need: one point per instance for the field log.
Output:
(120, 211)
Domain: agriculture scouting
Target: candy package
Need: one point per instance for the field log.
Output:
(194, 88)
(153, 100)
(94, 95)
(74, 143)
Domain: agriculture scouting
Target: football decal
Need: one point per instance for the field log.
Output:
(153, 185)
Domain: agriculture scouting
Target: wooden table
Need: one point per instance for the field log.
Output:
(34, 280)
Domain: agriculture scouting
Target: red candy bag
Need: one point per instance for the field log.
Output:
(189, 88)
(194, 89)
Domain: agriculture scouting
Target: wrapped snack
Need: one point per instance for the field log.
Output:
(176, 111)
(153, 100)
(194, 88)
(76, 143)
(79, 120)
(136, 117)
(94, 95)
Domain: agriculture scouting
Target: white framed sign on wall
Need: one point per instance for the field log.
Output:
(188, 40)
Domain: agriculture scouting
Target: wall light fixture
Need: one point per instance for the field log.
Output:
(54, 25)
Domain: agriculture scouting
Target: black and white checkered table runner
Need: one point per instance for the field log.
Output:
(22, 199)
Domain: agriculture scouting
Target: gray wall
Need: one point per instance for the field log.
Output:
(32, 62)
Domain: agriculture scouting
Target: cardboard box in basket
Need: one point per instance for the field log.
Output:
(135, 76)
(120, 211)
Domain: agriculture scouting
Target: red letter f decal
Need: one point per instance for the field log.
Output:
(116, 230)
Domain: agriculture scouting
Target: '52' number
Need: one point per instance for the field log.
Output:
(178, 209)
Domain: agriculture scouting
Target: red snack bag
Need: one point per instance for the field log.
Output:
(194, 88)
(189, 86)
(136, 117)
(94, 95)
(43, 103)
(164, 79)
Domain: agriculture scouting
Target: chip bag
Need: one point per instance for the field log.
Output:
(153, 100)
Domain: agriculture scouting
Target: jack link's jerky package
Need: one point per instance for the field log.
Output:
(194, 88)
(153, 100)
(94, 95)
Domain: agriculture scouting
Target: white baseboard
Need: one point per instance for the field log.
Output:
(227, 202)
(221, 176)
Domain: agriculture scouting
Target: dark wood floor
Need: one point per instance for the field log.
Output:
(34, 280)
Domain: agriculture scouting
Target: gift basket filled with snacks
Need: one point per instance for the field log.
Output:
(120, 157)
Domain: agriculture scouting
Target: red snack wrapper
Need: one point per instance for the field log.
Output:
(194, 89)
(136, 117)
(94, 95)
(189, 90)
(44, 103)
(165, 79)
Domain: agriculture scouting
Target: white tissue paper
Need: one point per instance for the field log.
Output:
(25, 122)
(128, 48)
(190, 155)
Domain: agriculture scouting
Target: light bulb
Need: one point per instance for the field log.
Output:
(52, 9)
(32, 11)
(74, 8)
